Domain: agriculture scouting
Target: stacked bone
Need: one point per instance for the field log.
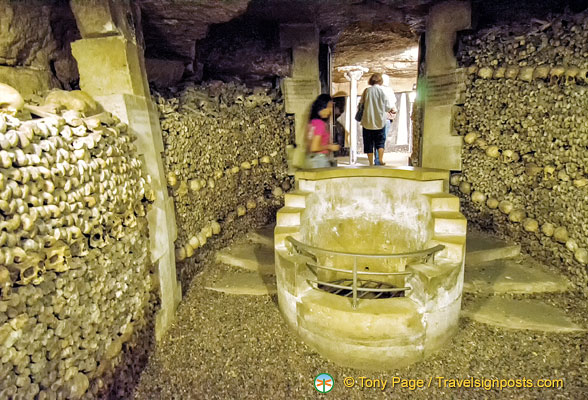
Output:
(74, 252)
(224, 158)
(525, 163)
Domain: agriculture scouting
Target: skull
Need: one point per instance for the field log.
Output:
(97, 239)
(556, 73)
(57, 256)
(80, 248)
(27, 266)
(570, 74)
(11, 101)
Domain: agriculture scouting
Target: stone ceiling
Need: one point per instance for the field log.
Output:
(378, 34)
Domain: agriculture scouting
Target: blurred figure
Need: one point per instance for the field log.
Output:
(389, 116)
(376, 105)
(318, 137)
(340, 134)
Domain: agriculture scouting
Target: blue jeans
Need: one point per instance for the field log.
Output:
(386, 129)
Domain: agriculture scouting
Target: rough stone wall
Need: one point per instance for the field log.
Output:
(74, 268)
(524, 122)
(224, 158)
(33, 56)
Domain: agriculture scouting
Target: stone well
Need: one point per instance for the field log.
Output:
(403, 229)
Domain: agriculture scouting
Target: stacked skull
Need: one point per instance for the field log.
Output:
(74, 264)
(524, 121)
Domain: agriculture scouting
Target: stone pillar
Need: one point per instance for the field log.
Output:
(302, 88)
(353, 74)
(112, 70)
(443, 83)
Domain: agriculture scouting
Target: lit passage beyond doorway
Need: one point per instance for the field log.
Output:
(398, 139)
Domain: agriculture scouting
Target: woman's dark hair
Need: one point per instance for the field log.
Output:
(376, 79)
(321, 102)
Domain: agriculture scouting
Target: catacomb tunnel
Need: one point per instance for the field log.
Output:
(241, 199)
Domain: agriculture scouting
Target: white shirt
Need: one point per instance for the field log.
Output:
(376, 104)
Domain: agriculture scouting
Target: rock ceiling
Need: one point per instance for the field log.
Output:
(378, 34)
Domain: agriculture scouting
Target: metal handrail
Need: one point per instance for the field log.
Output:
(423, 253)
(307, 250)
(358, 272)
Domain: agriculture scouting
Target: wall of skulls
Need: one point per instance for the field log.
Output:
(525, 125)
(224, 158)
(74, 253)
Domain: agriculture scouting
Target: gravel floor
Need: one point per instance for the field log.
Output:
(238, 347)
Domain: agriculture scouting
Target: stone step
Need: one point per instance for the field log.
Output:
(520, 315)
(281, 232)
(482, 247)
(513, 276)
(264, 235)
(288, 216)
(449, 223)
(240, 283)
(454, 246)
(443, 202)
(296, 198)
(250, 256)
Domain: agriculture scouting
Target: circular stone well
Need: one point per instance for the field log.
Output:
(338, 215)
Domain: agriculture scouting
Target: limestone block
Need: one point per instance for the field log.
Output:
(512, 276)
(249, 256)
(244, 284)
(171, 221)
(288, 216)
(103, 17)
(449, 223)
(306, 61)
(371, 356)
(521, 314)
(454, 247)
(443, 202)
(441, 325)
(299, 94)
(296, 198)
(170, 293)
(164, 73)
(287, 302)
(435, 286)
(286, 271)
(155, 126)
(282, 232)
(440, 149)
(28, 81)
(445, 19)
(482, 248)
(110, 65)
(305, 185)
(394, 320)
(158, 233)
(264, 236)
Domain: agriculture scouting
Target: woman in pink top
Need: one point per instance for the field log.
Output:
(318, 135)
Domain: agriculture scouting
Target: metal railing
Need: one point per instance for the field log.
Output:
(308, 251)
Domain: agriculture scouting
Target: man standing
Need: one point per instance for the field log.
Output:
(390, 115)
(376, 105)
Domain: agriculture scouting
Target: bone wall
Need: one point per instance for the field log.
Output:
(74, 256)
(225, 160)
(524, 121)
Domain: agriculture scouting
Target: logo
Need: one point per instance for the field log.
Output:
(324, 383)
